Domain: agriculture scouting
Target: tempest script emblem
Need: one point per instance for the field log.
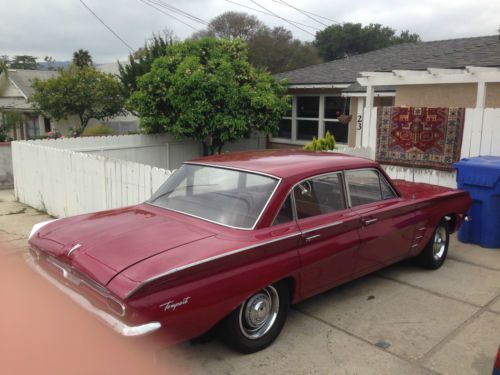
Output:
(171, 305)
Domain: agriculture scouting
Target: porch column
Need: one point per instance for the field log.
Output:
(366, 130)
(479, 116)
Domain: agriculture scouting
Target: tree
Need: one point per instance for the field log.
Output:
(50, 61)
(84, 92)
(140, 62)
(8, 120)
(82, 58)
(273, 49)
(232, 25)
(24, 62)
(208, 91)
(338, 41)
(3, 66)
(276, 50)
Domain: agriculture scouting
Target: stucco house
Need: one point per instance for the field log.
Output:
(16, 90)
(320, 93)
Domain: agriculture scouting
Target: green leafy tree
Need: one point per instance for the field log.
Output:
(24, 62)
(338, 41)
(140, 62)
(208, 91)
(274, 49)
(322, 144)
(8, 120)
(84, 92)
(82, 58)
(3, 67)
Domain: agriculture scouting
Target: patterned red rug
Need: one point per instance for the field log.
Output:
(421, 137)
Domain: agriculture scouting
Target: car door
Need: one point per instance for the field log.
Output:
(387, 222)
(329, 232)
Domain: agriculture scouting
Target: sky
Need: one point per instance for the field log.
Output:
(57, 28)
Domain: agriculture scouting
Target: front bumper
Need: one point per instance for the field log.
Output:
(111, 321)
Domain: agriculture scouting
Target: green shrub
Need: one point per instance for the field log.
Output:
(321, 144)
(97, 130)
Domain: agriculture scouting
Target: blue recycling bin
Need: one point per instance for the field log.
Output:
(480, 176)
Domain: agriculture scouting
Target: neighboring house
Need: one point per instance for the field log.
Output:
(16, 90)
(321, 92)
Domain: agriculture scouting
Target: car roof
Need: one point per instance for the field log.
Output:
(286, 164)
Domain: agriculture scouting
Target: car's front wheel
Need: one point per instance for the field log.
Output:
(434, 253)
(258, 321)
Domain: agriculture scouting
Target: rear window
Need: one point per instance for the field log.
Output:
(224, 196)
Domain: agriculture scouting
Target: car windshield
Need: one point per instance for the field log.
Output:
(224, 196)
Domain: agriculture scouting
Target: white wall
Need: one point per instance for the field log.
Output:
(6, 174)
(159, 150)
(65, 183)
(481, 137)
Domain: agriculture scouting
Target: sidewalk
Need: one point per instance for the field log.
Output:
(401, 320)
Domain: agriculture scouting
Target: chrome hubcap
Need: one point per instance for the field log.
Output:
(439, 243)
(259, 312)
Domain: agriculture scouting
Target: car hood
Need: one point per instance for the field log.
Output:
(111, 241)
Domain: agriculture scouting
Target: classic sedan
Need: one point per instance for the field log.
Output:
(230, 241)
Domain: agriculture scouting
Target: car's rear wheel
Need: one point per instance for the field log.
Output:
(258, 321)
(434, 253)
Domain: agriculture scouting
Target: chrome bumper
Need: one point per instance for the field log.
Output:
(108, 319)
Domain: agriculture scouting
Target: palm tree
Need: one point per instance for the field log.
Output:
(82, 58)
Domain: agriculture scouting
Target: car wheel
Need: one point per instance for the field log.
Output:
(434, 253)
(258, 321)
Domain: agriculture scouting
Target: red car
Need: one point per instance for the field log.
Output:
(232, 240)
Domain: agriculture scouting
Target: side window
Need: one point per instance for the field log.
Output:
(366, 186)
(285, 215)
(319, 195)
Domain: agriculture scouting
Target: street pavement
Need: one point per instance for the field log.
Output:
(401, 320)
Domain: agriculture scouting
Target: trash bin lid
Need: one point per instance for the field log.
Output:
(479, 170)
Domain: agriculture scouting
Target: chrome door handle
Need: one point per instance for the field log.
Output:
(370, 221)
(310, 238)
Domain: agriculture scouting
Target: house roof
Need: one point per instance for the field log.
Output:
(23, 79)
(451, 53)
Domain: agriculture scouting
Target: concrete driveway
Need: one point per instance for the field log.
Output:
(402, 320)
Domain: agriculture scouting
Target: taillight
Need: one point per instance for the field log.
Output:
(115, 306)
(497, 362)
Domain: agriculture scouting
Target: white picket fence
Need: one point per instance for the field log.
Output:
(64, 183)
(481, 137)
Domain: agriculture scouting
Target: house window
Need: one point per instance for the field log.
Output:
(308, 106)
(285, 128)
(307, 129)
(46, 124)
(312, 116)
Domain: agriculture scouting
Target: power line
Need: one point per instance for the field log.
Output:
(178, 11)
(282, 2)
(305, 11)
(284, 19)
(168, 14)
(107, 27)
(270, 14)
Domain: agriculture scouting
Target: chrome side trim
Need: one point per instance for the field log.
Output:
(197, 263)
(334, 224)
(108, 319)
(73, 249)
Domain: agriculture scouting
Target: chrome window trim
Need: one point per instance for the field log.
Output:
(206, 260)
(339, 172)
(256, 222)
(396, 195)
